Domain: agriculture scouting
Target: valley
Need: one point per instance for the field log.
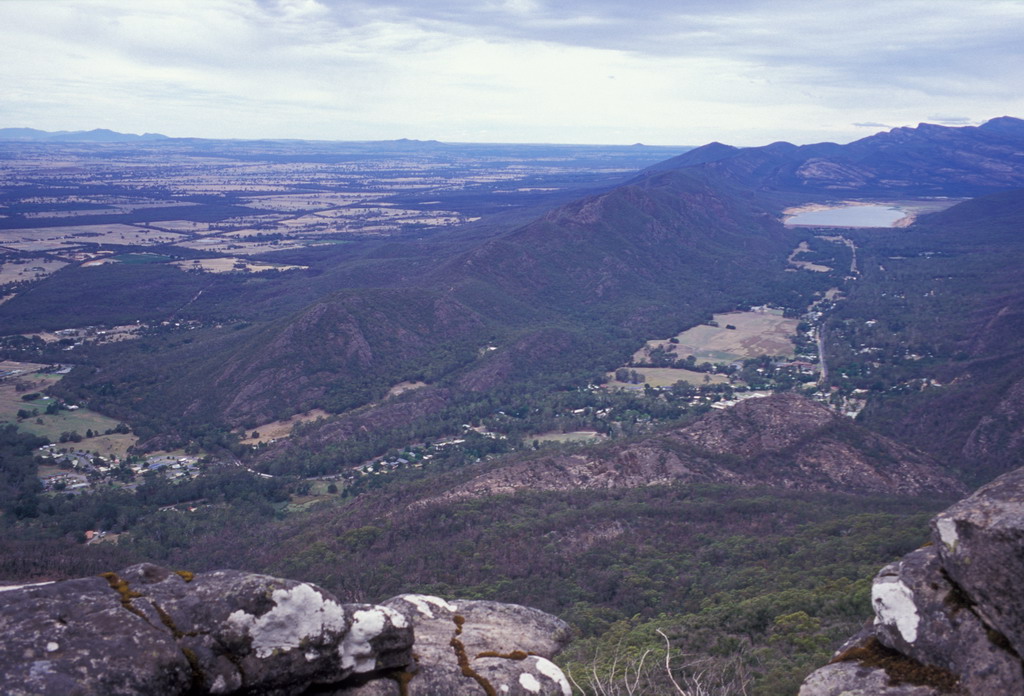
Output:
(617, 384)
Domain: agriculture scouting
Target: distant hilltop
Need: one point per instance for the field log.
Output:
(97, 135)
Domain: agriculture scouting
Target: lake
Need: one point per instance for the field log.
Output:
(851, 216)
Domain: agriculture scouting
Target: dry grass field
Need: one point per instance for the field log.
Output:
(29, 269)
(228, 264)
(282, 428)
(590, 436)
(41, 238)
(805, 265)
(756, 333)
(403, 387)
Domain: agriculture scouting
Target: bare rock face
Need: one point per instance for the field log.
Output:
(852, 679)
(478, 647)
(949, 617)
(55, 635)
(146, 630)
(923, 616)
(981, 543)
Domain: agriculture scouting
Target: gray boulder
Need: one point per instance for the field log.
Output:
(76, 638)
(147, 630)
(854, 679)
(477, 647)
(981, 541)
(949, 618)
(925, 618)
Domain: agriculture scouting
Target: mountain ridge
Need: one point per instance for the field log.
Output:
(927, 160)
(785, 440)
(96, 135)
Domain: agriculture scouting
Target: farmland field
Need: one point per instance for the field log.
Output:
(56, 237)
(29, 269)
(229, 264)
(282, 428)
(764, 332)
(575, 436)
(667, 376)
(51, 426)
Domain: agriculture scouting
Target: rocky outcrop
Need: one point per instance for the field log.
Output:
(472, 646)
(147, 630)
(949, 617)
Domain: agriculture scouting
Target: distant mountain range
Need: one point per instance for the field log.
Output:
(97, 135)
(928, 160)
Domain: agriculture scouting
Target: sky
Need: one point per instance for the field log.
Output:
(660, 72)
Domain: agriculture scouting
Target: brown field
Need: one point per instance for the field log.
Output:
(116, 444)
(283, 428)
(182, 226)
(309, 201)
(756, 333)
(24, 367)
(117, 333)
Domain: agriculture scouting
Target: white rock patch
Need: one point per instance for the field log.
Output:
(52, 646)
(356, 652)
(894, 606)
(553, 672)
(398, 619)
(301, 614)
(423, 602)
(529, 682)
(947, 532)
(8, 588)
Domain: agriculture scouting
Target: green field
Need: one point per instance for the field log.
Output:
(51, 426)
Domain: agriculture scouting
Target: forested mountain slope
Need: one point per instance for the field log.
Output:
(608, 270)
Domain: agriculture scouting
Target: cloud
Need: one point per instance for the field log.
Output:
(516, 70)
(952, 120)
